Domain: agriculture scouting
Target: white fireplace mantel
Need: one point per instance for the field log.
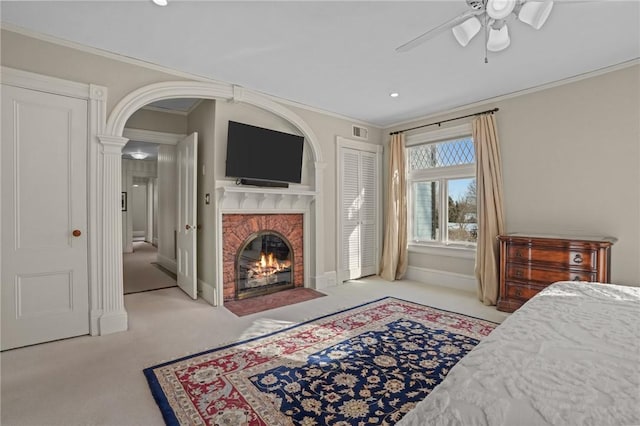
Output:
(241, 198)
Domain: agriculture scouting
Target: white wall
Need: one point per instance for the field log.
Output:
(139, 210)
(132, 169)
(571, 165)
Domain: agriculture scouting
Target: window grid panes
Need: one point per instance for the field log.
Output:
(442, 154)
(443, 192)
(426, 200)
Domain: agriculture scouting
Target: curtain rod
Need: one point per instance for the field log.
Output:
(445, 121)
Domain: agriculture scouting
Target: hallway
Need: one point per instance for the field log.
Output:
(142, 273)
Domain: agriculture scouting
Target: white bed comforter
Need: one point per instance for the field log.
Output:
(569, 356)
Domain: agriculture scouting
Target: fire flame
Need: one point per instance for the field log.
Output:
(269, 265)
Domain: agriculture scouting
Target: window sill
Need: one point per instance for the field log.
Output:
(441, 250)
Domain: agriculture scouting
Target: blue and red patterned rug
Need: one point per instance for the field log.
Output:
(370, 364)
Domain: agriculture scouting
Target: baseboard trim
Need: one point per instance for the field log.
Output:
(207, 292)
(113, 322)
(170, 264)
(328, 279)
(95, 321)
(442, 278)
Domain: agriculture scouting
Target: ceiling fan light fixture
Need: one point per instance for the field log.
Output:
(500, 9)
(535, 13)
(498, 39)
(467, 30)
(139, 155)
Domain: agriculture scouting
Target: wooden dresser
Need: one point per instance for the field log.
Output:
(529, 263)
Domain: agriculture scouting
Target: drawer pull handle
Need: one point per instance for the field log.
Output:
(518, 292)
(577, 278)
(518, 273)
(577, 259)
(518, 253)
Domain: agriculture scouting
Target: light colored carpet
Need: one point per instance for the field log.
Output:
(140, 273)
(99, 380)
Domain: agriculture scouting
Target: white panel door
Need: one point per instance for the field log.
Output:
(358, 200)
(45, 291)
(187, 162)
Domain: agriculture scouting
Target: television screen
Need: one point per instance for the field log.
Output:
(263, 154)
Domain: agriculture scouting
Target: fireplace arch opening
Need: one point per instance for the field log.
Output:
(264, 264)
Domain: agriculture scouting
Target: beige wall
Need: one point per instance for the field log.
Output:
(571, 161)
(120, 78)
(157, 121)
(30, 54)
(327, 128)
(202, 120)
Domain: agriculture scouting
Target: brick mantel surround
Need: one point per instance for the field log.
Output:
(236, 228)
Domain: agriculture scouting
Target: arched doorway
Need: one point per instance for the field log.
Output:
(114, 315)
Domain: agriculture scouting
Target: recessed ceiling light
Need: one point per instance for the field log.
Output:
(394, 94)
(161, 2)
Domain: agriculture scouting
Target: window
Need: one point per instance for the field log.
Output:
(442, 188)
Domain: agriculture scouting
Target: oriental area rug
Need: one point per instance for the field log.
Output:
(369, 364)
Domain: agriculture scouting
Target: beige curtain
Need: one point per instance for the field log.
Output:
(490, 206)
(393, 264)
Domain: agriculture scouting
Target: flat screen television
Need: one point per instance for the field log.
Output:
(263, 154)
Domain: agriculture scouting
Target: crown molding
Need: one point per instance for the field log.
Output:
(494, 100)
(160, 68)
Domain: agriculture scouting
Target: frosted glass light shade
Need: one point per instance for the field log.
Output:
(139, 155)
(500, 9)
(467, 30)
(498, 39)
(535, 13)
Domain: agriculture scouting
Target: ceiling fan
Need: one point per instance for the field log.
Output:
(492, 15)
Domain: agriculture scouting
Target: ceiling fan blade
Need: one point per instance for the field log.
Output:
(437, 30)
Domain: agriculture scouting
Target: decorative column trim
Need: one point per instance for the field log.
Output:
(97, 122)
(114, 315)
(319, 232)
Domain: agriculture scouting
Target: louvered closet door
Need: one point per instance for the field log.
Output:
(350, 166)
(368, 214)
(358, 201)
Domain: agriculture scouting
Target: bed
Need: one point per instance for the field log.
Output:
(569, 356)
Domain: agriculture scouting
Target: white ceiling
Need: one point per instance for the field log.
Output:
(339, 56)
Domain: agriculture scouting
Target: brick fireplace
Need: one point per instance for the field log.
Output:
(239, 230)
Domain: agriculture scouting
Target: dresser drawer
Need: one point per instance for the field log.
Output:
(520, 292)
(528, 273)
(583, 259)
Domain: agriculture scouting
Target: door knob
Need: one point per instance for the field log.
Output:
(187, 227)
(76, 233)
